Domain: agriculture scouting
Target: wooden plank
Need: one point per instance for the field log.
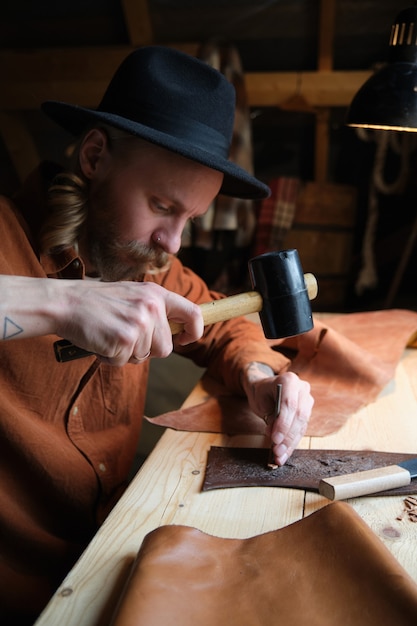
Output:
(80, 76)
(322, 251)
(383, 425)
(138, 22)
(327, 204)
(85, 63)
(324, 64)
(323, 232)
(326, 35)
(334, 89)
(321, 145)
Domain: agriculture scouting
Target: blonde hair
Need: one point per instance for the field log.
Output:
(68, 201)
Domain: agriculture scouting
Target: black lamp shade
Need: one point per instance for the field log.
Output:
(388, 99)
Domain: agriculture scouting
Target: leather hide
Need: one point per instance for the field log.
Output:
(348, 359)
(326, 569)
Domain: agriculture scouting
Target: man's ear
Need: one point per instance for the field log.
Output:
(93, 148)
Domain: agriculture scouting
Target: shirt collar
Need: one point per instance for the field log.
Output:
(65, 264)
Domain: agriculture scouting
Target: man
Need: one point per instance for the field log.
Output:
(152, 156)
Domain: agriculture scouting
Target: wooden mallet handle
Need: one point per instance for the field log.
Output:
(239, 304)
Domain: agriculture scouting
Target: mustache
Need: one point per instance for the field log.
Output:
(130, 260)
(141, 253)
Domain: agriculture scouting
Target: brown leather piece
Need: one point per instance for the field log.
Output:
(356, 358)
(247, 467)
(348, 359)
(220, 412)
(327, 569)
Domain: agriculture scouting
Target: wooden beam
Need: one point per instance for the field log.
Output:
(332, 89)
(322, 145)
(138, 22)
(318, 89)
(324, 64)
(326, 35)
(81, 75)
(83, 62)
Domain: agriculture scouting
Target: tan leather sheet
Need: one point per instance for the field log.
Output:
(248, 467)
(325, 570)
(348, 359)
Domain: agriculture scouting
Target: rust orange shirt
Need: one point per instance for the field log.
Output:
(69, 431)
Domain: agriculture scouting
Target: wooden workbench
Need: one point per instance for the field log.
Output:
(167, 490)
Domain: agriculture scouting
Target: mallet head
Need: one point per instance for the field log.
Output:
(279, 278)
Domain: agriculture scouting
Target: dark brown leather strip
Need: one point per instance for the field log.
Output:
(247, 467)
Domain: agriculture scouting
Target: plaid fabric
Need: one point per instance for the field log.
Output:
(276, 214)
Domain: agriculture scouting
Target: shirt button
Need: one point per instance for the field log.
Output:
(102, 467)
(76, 264)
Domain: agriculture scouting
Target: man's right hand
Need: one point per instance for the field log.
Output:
(120, 322)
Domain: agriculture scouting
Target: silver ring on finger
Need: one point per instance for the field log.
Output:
(141, 359)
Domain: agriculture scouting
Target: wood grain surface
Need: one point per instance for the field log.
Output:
(168, 490)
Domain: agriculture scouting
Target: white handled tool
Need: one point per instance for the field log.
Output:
(368, 481)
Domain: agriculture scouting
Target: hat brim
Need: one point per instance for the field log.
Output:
(237, 182)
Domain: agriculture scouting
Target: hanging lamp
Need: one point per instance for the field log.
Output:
(388, 99)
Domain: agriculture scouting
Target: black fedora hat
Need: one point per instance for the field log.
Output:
(175, 101)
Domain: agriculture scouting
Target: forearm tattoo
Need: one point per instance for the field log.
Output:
(10, 329)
